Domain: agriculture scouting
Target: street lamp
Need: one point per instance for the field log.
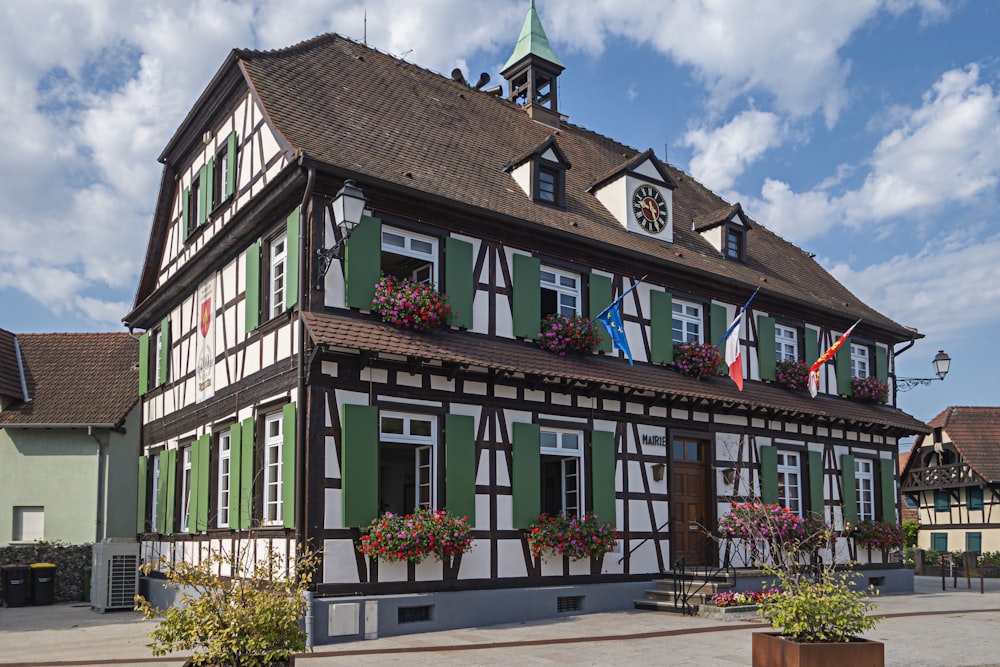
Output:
(348, 207)
(942, 363)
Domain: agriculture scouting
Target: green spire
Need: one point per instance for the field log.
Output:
(532, 41)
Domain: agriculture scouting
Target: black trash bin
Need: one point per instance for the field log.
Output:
(16, 581)
(43, 577)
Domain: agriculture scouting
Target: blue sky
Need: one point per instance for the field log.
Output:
(865, 131)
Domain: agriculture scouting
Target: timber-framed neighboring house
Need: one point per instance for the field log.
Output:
(953, 474)
(278, 409)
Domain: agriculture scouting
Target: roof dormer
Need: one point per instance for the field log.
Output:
(532, 71)
(541, 173)
(726, 229)
(640, 194)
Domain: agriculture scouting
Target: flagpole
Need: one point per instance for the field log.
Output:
(737, 319)
(616, 301)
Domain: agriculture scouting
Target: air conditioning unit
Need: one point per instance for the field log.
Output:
(115, 576)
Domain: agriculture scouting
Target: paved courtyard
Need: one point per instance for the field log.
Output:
(928, 628)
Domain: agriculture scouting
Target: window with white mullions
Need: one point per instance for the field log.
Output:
(859, 361)
(185, 487)
(786, 343)
(277, 266)
(407, 462)
(222, 497)
(864, 474)
(155, 491)
(687, 322)
(409, 255)
(561, 460)
(789, 482)
(560, 292)
(273, 442)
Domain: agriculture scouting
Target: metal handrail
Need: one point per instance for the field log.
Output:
(641, 542)
(680, 574)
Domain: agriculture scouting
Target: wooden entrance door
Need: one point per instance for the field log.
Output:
(689, 507)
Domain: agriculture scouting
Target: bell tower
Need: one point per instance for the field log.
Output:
(532, 71)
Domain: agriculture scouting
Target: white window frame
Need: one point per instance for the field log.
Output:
(572, 492)
(154, 514)
(223, 479)
(277, 267)
(786, 343)
(28, 523)
(687, 322)
(425, 470)
(274, 441)
(566, 286)
(790, 481)
(155, 350)
(185, 486)
(418, 246)
(859, 361)
(864, 478)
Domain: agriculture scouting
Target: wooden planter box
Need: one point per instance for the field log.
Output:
(772, 650)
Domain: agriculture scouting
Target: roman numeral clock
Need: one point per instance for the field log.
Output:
(649, 209)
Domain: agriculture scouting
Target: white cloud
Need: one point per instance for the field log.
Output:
(722, 154)
(945, 152)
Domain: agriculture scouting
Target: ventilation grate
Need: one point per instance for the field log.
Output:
(414, 614)
(121, 581)
(570, 603)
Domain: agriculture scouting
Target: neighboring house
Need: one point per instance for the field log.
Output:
(69, 436)
(277, 410)
(909, 507)
(954, 476)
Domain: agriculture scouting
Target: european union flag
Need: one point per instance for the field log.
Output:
(611, 318)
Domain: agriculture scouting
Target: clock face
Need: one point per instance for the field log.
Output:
(649, 209)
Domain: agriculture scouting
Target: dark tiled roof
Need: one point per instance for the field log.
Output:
(368, 113)
(10, 371)
(353, 334)
(713, 218)
(76, 378)
(975, 432)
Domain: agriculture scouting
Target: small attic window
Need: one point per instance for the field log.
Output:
(550, 184)
(735, 245)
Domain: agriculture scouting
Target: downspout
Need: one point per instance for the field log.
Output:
(896, 353)
(305, 287)
(101, 486)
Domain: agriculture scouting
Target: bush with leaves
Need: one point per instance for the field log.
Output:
(910, 529)
(243, 621)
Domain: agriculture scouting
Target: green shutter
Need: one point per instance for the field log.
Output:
(140, 506)
(204, 478)
(292, 265)
(203, 190)
(527, 296)
(718, 323)
(459, 282)
(600, 296)
(252, 300)
(849, 486)
(143, 363)
(942, 501)
(246, 473)
(192, 491)
(526, 484)
(168, 522)
(231, 165)
(939, 542)
(288, 465)
(164, 351)
(460, 465)
(881, 363)
(887, 482)
(359, 464)
(362, 260)
(209, 187)
(769, 474)
(162, 461)
(974, 542)
(974, 498)
(602, 475)
(661, 327)
(185, 213)
(812, 345)
(817, 497)
(235, 431)
(843, 364)
(766, 357)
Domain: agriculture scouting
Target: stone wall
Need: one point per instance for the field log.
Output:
(70, 561)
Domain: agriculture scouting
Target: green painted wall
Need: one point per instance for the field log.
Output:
(58, 469)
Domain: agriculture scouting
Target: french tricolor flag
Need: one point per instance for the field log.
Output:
(734, 358)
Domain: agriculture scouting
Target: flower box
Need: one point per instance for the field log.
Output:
(870, 389)
(410, 305)
(577, 537)
(697, 360)
(564, 335)
(772, 650)
(792, 375)
(414, 537)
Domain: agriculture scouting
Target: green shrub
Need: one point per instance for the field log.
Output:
(910, 529)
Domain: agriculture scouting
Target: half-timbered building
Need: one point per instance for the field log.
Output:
(278, 410)
(953, 474)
